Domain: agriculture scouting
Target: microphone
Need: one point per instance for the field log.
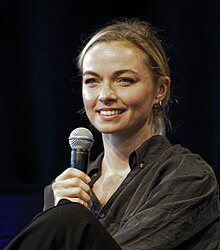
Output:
(81, 141)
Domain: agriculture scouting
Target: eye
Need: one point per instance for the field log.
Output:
(90, 81)
(126, 80)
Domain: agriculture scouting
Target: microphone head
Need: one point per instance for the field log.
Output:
(81, 138)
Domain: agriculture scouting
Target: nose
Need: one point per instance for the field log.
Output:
(107, 94)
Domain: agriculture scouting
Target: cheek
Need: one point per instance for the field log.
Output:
(88, 101)
(86, 97)
(136, 100)
(141, 104)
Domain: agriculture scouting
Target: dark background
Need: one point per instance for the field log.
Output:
(40, 89)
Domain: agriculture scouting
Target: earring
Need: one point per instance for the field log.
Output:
(158, 106)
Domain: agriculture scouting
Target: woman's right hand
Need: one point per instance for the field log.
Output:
(72, 185)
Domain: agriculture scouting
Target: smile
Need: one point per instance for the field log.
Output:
(110, 112)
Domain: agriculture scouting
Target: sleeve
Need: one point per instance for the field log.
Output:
(48, 197)
(181, 212)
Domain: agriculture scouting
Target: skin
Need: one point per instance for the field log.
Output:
(118, 94)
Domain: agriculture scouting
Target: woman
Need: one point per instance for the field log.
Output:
(144, 192)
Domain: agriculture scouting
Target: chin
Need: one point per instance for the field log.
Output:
(110, 127)
(106, 131)
(111, 130)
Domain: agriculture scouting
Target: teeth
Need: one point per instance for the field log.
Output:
(110, 112)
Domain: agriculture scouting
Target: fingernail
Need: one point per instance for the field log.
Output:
(88, 179)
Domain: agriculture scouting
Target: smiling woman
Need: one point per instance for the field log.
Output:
(118, 91)
(137, 52)
(142, 192)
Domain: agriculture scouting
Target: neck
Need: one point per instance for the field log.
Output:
(117, 149)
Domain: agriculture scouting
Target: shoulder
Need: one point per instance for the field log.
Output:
(187, 162)
(171, 160)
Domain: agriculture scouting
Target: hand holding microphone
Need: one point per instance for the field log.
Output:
(73, 183)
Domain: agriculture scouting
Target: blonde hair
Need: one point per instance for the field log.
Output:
(142, 35)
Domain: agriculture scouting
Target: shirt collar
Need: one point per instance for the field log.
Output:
(146, 153)
(151, 149)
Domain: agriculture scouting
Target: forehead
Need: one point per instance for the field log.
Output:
(115, 53)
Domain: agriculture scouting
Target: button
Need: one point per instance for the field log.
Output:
(141, 165)
(102, 215)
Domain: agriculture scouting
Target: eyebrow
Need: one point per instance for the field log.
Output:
(116, 73)
(90, 73)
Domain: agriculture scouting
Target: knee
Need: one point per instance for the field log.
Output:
(66, 213)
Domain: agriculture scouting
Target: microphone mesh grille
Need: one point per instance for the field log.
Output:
(81, 138)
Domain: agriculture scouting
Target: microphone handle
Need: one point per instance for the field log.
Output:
(79, 159)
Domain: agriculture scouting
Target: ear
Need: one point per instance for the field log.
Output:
(162, 89)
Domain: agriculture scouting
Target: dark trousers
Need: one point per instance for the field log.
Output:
(68, 226)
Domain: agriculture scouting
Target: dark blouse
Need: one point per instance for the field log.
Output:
(169, 200)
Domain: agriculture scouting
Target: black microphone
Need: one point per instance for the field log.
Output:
(81, 141)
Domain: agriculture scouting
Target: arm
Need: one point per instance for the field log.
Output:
(181, 209)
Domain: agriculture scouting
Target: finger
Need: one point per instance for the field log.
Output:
(72, 188)
(74, 196)
(73, 172)
(75, 192)
(70, 183)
